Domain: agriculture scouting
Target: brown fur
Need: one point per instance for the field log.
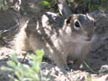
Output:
(67, 41)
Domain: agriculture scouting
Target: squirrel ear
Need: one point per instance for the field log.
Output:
(68, 20)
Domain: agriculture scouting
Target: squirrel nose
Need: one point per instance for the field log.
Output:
(89, 37)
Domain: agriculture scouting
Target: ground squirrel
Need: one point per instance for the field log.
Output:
(73, 40)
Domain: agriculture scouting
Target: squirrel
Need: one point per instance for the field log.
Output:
(72, 41)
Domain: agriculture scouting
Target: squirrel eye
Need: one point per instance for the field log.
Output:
(76, 25)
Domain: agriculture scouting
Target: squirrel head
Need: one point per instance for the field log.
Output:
(78, 25)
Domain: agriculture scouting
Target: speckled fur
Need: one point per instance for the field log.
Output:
(68, 43)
